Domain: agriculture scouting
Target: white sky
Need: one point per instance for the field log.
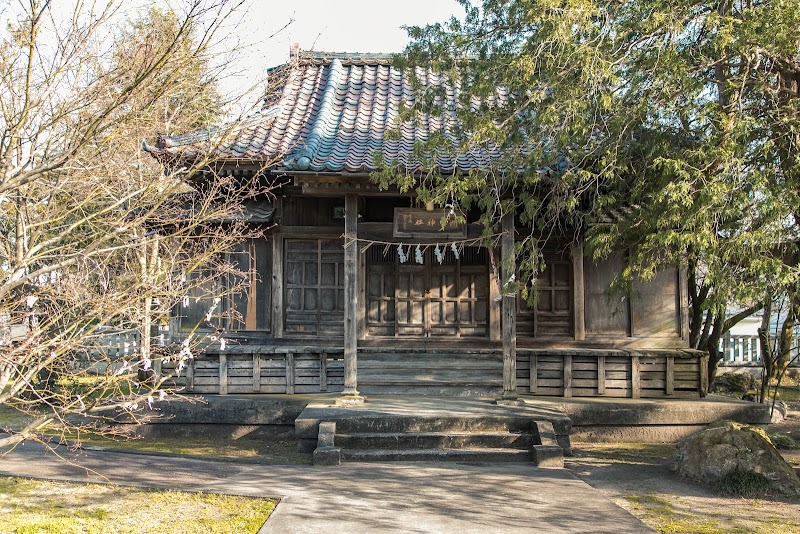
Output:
(331, 26)
(260, 28)
(340, 25)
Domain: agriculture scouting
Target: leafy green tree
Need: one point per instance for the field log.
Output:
(669, 128)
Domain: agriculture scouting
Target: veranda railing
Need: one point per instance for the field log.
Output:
(746, 350)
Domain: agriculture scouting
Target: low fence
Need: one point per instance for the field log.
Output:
(746, 350)
(112, 343)
(115, 343)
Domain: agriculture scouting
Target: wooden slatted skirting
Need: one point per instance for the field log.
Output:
(677, 373)
(637, 374)
(264, 370)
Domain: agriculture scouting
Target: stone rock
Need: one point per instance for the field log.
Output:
(711, 454)
(739, 383)
(781, 410)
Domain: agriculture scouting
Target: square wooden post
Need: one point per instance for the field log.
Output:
(350, 393)
(509, 311)
(578, 303)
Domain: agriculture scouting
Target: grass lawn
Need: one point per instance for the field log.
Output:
(789, 393)
(45, 507)
(636, 476)
(676, 515)
(264, 451)
(259, 451)
(11, 418)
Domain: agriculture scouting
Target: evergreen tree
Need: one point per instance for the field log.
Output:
(669, 128)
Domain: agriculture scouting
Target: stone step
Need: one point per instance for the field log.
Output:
(435, 440)
(548, 456)
(447, 424)
(436, 455)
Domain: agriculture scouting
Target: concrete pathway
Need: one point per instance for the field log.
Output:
(360, 498)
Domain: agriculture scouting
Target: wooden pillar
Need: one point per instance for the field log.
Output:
(509, 309)
(669, 387)
(495, 311)
(190, 374)
(636, 378)
(277, 286)
(256, 373)
(702, 387)
(578, 292)
(223, 374)
(601, 375)
(290, 373)
(350, 393)
(323, 371)
(534, 373)
(567, 377)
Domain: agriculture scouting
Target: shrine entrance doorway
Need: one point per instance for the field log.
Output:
(431, 299)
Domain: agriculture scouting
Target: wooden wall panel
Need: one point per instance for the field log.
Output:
(604, 316)
(655, 306)
(310, 211)
(551, 372)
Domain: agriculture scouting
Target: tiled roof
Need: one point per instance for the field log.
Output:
(331, 113)
(255, 211)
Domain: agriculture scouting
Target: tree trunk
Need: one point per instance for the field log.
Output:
(767, 359)
(786, 340)
(710, 344)
(696, 308)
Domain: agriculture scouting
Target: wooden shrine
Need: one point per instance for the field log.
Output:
(360, 290)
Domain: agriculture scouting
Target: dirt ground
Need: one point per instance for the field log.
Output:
(790, 426)
(637, 477)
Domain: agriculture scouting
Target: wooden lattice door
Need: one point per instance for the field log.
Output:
(428, 299)
(551, 316)
(314, 275)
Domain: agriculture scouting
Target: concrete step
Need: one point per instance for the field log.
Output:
(436, 455)
(445, 424)
(435, 440)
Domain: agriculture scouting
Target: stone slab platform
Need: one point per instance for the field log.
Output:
(397, 413)
(592, 419)
(651, 420)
